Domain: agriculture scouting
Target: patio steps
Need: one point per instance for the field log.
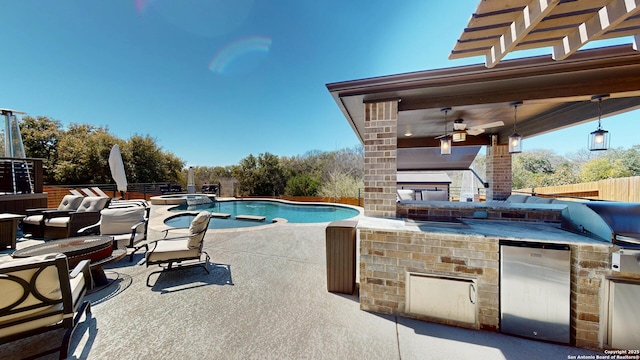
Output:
(250, 217)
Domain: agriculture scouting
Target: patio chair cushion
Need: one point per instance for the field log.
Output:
(47, 284)
(33, 219)
(435, 195)
(197, 229)
(70, 203)
(120, 220)
(517, 198)
(538, 200)
(61, 221)
(404, 194)
(171, 250)
(93, 203)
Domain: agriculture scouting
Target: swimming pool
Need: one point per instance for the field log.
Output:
(270, 209)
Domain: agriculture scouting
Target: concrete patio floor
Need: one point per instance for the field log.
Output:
(265, 298)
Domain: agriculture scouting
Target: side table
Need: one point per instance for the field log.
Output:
(9, 229)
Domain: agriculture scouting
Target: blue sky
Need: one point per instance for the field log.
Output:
(214, 81)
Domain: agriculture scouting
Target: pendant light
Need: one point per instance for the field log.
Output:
(445, 141)
(515, 140)
(599, 139)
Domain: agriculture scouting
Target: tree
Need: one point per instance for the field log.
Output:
(603, 168)
(631, 159)
(302, 185)
(211, 175)
(341, 185)
(83, 153)
(40, 138)
(80, 154)
(149, 163)
(245, 173)
(541, 168)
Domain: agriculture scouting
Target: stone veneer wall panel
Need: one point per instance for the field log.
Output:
(387, 255)
(589, 266)
(380, 158)
(498, 172)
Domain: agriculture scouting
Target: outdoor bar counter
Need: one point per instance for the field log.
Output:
(393, 252)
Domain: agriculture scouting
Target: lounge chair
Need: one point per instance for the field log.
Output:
(88, 192)
(76, 192)
(64, 224)
(33, 223)
(39, 295)
(127, 225)
(168, 251)
(99, 191)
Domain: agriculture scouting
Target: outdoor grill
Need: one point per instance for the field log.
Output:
(624, 220)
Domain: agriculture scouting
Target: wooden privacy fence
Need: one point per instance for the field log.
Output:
(620, 189)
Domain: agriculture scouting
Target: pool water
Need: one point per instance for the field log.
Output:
(294, 213)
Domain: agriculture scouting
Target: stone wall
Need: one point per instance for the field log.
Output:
(380, 158)
(387, 255)
(498, 172)
(589, 265)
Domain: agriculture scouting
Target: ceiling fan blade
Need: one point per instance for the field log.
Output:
(438, 137)
(474, 132)
(486, 126)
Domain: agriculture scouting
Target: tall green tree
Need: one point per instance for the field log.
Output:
(80, 154)
(40, 137)
(302, 185)
(262, 175)
(602, 168)
(83, 153)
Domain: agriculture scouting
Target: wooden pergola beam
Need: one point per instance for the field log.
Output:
(607, 18)
(528, 19)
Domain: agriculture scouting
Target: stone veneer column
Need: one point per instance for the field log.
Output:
(498, 164)
(380, 158)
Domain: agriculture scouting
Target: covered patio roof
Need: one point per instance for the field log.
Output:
(555, 95)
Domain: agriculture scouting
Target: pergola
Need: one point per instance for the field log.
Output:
(555, 92)
(498, 27)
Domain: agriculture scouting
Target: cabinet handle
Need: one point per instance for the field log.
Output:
(472, 290)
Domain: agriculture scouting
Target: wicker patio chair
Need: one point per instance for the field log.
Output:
(66, 224)
(33, 223)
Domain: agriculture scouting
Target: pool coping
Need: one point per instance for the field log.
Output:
(160, 213)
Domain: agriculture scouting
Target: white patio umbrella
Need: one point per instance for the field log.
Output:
(117, 169)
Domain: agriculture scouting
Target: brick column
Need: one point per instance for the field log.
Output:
(380, 158)
(498, 174)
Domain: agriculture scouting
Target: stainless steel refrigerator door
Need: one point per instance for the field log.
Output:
(535, 291)
(624, 318)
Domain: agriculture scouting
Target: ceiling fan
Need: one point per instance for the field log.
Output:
(460, 129)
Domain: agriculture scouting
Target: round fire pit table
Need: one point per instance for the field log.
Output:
(98, 249)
